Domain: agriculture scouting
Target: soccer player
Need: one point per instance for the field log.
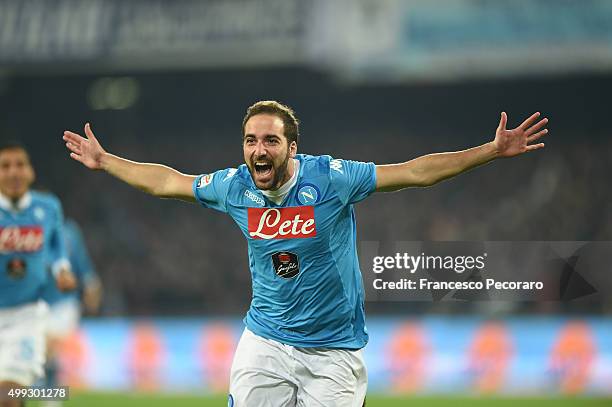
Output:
(65, 307)
(30, 240)
(305, 327)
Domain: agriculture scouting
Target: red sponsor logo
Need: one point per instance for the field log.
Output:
(21, 238)
(282, 223)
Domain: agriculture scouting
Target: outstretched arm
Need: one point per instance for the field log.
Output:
(154, 179)
(430, 169)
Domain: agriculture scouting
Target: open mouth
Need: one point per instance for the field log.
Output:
(263, 169)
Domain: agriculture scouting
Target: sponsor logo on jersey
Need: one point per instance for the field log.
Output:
(296, 222)
(286, 264)
(336, 165)
(205, 180)
(308, 194)
(253, 197)
(21, 239)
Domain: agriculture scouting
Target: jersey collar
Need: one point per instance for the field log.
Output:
(22, 203)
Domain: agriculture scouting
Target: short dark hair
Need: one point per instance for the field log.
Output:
(284, 112)
(12, 145)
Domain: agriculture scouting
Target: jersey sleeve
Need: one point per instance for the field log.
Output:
(57, 243)
(211, 190)
(353, 180)
(80, 261)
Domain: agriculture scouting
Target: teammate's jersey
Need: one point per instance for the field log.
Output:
(307, 286)
(80, 263)
(30, 241)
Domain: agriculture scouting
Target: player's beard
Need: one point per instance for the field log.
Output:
(280, 173)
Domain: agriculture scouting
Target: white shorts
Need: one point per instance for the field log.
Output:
(22, 343)
(267, 373)
(63, 318)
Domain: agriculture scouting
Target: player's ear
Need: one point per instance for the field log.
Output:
(292, 149)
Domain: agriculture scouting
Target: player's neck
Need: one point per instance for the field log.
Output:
(290, 171)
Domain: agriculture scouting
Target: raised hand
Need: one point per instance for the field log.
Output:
(87, 151)
(519, 140)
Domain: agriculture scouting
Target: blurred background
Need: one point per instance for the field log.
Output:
(372, 80)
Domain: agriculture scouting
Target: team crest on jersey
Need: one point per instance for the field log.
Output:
(295, 222)
(39, 213)
(286, 264)
(308, 194)
(16, 268)
(205, 180)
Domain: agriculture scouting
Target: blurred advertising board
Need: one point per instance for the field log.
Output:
(365, 40)
(429, 355)
(148, 34)
(398, 40)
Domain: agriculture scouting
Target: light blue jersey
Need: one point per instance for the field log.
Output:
(30, 241)
(80, 263)
(307, 285)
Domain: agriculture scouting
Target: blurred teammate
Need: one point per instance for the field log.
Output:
(30, 240)
(65, 307)
(305, 327)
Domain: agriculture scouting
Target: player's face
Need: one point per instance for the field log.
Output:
(266, 151)
(16, 173)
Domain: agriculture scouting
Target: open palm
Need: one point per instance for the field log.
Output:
(87, 151)
(519, 140)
